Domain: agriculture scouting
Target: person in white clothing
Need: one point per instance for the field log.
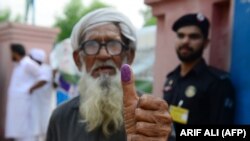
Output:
(44, 101)
(19, 118)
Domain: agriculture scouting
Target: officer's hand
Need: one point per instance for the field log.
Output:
(146, 118)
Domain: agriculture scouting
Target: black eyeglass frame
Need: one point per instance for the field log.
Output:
(100, 45)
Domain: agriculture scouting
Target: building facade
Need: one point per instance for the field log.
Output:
(228, 48)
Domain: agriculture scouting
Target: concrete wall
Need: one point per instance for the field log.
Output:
(30, 37)
(217, 54)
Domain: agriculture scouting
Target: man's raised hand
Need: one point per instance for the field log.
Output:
(146, 117)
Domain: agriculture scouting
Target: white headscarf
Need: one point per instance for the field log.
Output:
(100, 16)
(38, 54)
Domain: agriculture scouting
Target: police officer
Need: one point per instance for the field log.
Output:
(197, 93)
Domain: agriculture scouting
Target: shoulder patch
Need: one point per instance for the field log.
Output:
(219, 73)
(169, 74)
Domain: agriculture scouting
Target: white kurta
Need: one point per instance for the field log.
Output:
(44, 100)
(19, 118)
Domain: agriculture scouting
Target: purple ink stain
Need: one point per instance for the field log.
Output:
(125, 73)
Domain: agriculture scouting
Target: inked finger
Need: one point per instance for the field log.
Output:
(128, 85)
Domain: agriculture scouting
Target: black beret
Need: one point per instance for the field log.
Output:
(196, 19)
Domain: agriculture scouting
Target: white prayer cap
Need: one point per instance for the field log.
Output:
(38, 54)
(102, 16)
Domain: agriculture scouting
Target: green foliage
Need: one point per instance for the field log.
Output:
(72, 79)
(5, 15)
(149, 19)
(144, 86)
(72, 13)
(18, 19)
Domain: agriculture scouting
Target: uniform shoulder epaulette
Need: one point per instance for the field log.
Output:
(170, 73)
(219, 73)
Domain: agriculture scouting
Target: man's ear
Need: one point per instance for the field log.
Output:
(77, 59)
(207, 41)
(131, 55)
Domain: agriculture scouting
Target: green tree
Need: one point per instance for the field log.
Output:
(18, 18)
(149, 19)
(73, 11)
(5, 15)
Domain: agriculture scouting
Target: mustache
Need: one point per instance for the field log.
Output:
(98, 64)
(185, 47)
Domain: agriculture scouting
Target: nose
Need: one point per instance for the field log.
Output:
(185, 40)
(103, 54)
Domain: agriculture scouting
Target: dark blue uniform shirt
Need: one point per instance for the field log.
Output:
(205, 91)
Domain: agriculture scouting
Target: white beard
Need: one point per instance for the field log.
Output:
(101, 102)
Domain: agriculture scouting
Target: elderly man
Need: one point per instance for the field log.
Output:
(108, 109)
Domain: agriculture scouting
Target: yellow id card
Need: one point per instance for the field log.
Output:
(179, 114)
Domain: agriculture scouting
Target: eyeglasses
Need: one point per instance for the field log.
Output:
(92, 47)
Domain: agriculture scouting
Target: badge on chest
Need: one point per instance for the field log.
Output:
(190, 91)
